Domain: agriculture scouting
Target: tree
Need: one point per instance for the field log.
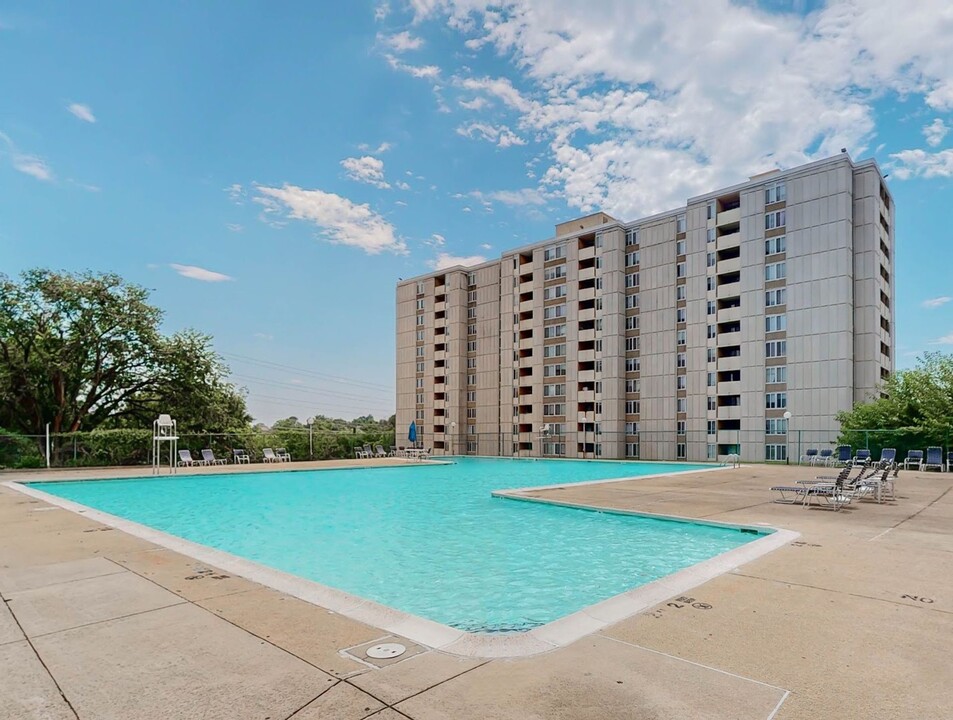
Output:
(84, 351)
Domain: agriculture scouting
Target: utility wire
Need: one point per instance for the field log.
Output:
(347, 381)
(296, 386)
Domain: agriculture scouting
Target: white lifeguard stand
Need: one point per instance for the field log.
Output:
(164, 431)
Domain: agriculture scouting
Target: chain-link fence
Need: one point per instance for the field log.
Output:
(133, 447)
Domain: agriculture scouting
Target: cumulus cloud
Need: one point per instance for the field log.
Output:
(340, 221)
(945, 340)
(194, 272)
(401, 42)
(418, 71)
(920, 163)
(382, 148)
(936, 302)
(501, 135)
(641, 104)
(445, 260)
(935, 132)
(381, 11)
(236, 193)
(31, 165)
(83, 112)
(436, 240)
(366, 169)
(477, 103)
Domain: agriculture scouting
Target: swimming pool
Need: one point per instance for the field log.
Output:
(425, 539)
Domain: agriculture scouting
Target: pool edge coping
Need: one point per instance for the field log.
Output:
(429, 633)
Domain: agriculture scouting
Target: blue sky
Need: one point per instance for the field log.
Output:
(270, 171)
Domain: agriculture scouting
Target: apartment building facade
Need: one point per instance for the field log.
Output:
(750, 315)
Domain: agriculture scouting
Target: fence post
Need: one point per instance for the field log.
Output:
(867, 439)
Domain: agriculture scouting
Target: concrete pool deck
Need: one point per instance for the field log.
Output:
(852, 620)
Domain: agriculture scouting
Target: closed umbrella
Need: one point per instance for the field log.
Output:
(412, 433)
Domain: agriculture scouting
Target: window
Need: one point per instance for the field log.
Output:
(554, 252)
(680, 360)
(632, 343)
(680, 337)
(711, 379)
(632, 450)
(554, 273)
(711, 259)
(711, 211)
(420, 319)
(471, 279)
(471, 395)
(633, 364)
(471, 446)
(471, 296)
(550, 448)
(632, 322)
(711, 235)
(471, 413)
(681, 382)
(680, 427)
(471, 329)
(774, 220)
(632, 258)
(775, 193)
(631, 428)
(775, 323)
(471, 363)
(552, 331)
(420, 382)
(680, 451)
(633, 385)
(419, 415)
(554, 370)
(711, 283)
(775, 271)
(420, 367)
(776, 452)
(554, 292)
(776, 400)
(679, 223)
(681, 315)
(420, 351)
(551, 409)
(420, 304)
(775, 297)
(776, 348)
(600, 239)
(631, 301)
(632, 407)
(712, 332)
(420, 288)
(554, 390)
(775, 245)
(711, 427)
(680, 270)
(775, 426)
(554, 350)
(471, 379)
(679, 292)
(632, 236)
(776, 374)
(471, 346)
(556, 429)
(554, 311)
(712, 452)
(681, 405)
(632, 280)
(420, 336)
(420, 398)
(597, 345)
(712, 403)
(711, 354)
(679, 247)
(471, 313)
(712, 307)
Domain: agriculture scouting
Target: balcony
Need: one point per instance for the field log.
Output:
(729, 363)
(440, 355)
(440, 306)
(526, 306)
(729, 338)
(728, 290)
(586, 355)
(729, 412)
(728, 217)
(729, 388)
(728, 266)
(587, 252)
(587, 294)
(731, 240)
(586, 376)
(586, 396)
(587, 314)
(587, 335)
(587, 274)
(729, 437)
(729, 314)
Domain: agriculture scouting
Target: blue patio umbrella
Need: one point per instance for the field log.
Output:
(412, 433)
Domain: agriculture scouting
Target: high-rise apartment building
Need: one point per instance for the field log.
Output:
(740, 323)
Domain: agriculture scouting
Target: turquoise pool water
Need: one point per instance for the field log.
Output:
(425, 539)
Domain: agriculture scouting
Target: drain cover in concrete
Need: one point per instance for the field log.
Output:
(385, 651)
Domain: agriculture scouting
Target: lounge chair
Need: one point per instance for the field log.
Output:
(914, 457)
(241, 456)
(392, 452)
(861, 458)
(359, 454)
(268, 455)
(283, 455)
(949, 461)
(185, 459)
(368, 451)
(209, 457)
(934, 459)
(843, 455)
(824, 457)
(379, 451)
(809, 456)
(790, 494)
(839, 493)
(888, 457)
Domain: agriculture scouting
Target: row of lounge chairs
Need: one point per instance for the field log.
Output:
(843, 456)
(875, 482)
(240, 457)
(378, 451)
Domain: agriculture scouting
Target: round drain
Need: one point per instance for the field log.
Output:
(385, 651)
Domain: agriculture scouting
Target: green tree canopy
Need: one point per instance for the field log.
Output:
(84, 351)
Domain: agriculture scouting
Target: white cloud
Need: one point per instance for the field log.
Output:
(401, 42)
(366, 169)
(83, 112)
(467, 209)
(31, 165)
(945, 340)
(401, 203)
(524, 196)
(935, 132)
(936, 302)
(263, 336)
(486, 246)
(920, 163)
(501, 135)
(381, 11)
(477, 103)
(642, 104)
(445, 260)
(341, 221)
(235, 227)
(236, 193)
(417, 71)
(382, 148)
(401, 185)
(197, 273)
(436, 240)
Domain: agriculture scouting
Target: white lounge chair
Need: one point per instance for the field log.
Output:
(283, 455)
(186, 459)
(209, 457)
(241, 457)
(268, 455)
(914, 458)
(934, 459)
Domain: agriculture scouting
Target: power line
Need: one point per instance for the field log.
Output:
(312, 406)
(296, 386)
(347, 381)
